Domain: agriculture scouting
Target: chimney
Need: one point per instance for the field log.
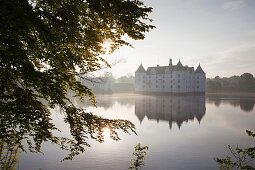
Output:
(170, 62)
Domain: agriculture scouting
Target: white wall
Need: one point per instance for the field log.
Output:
(181, 82)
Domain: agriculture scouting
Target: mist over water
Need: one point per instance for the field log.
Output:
(182, 132)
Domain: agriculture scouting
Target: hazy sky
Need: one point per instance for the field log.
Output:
(218, 34)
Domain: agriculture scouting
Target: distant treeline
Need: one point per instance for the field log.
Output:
(108, 84)
(243, 83)
(123, 84)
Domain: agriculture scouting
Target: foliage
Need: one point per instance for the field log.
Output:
(247, 82)
(243, 83)
(126, 79)
(45, 45)
(213, 86)
(241, 158)
(84, 125)
(110, 84)
(8, 156)
(139, 157)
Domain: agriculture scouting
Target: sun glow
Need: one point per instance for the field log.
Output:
(106, 133)
(106, 46)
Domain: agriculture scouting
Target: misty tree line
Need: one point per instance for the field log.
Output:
(123, 84)
(243, 83)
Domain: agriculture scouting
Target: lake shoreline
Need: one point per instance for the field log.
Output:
(231, 94)
(216, 94)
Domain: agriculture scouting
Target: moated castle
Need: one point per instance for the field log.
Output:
(170, 79)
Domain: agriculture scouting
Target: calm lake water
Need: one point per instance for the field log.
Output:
(182, 132)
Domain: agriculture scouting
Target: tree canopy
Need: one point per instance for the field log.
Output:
(247, 82)
(45, 46)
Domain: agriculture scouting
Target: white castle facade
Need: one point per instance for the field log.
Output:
(170, 79)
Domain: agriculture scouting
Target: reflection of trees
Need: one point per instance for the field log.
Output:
(170, 108)
(126, 101)
(246, 104)
(32, 126)
(107, 101)
(239, 158)
(84, 125)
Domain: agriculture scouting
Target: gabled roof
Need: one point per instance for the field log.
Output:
(140, 69)
(199, 69)
(179, 66)
(162, 69)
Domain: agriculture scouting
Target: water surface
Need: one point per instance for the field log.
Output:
(182, 132)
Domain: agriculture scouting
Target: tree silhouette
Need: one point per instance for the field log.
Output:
(46, 45)
(247, 82)
(240, 158)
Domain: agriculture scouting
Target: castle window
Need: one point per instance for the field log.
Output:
(197, 82)
(163, 81)
(171, 86)
(197, 77)
(163, 86)
(156, 81)
(171, 81)
(178, 81)
(156, 86)
(178, 86)
(197, 87)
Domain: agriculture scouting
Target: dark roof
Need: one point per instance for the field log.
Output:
(199, 69)
(162, 69)
(177, 67)
(179, 64)
(191, 69)
(140, 69)
(159, 69)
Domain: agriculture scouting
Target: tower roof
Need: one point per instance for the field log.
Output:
(140, 69)
(199, 69)
(179, 66)
(179, 63)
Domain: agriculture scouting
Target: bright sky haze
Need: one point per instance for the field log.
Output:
(218, 34)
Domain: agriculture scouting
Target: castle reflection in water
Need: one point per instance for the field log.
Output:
(174, 109)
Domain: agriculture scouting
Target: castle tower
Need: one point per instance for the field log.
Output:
(200, 80)
(140, 79)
